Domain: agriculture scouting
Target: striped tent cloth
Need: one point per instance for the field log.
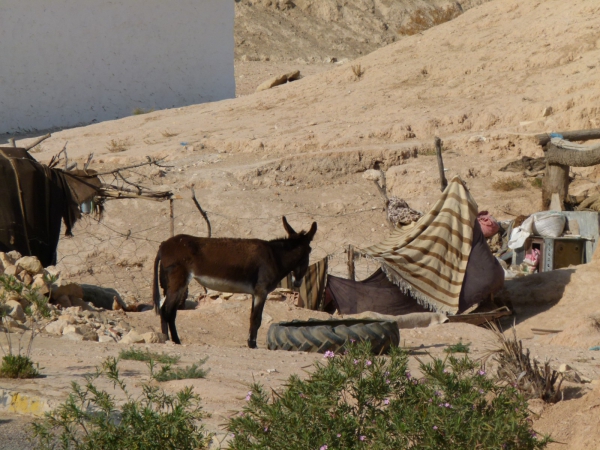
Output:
(429, 260)
(313, 284)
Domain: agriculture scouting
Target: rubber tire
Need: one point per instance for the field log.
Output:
(319, 336)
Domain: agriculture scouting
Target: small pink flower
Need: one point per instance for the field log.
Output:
(339, 435)
(329, 354)
(249, 396)
(481, 372)
(445, 370)
(355, 361)
(435, 427)
(324, 447)
(408, 375)
(368, 363)
(386, 402)
(362, 438)
(266, 429)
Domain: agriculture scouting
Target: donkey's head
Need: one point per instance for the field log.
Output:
(300, 270)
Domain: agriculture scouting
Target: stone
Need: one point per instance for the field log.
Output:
(31, 264)
(68, 319)
(6, 260)
(239, 297)
(86, 332)
(12, 324)
(57, 327)
(25, 277)
(124, 325)
(63, 301)
(73, 337)
(226, 295)
(74, 311)
(132, 338)
(372, 175)
(40, 285)
(65, 288)
(564, 368)
(12, 270)
(547, 111)
(190, 304)
(477, 139)
(278, 80)
(100, 297)
(14, 309)
(52, 271)
(104, 338)
(14, 256)
(154, 338)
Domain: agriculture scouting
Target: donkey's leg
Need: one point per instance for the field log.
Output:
(176, 294)
(258, 303)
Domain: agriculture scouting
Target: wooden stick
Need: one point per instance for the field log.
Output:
(201, 212)
(38, 141)
(577, 135)
(172, 216)
(351, 268)
(11, 141)
(438, 152)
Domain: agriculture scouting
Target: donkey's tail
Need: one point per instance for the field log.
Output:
(155, 286)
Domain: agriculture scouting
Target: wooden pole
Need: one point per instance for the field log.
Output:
(172, 216)
(438, 152)
(351, 270)
(11, 141)
(556, 180)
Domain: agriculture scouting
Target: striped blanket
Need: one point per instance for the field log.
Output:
(429, 260)
(313, 284)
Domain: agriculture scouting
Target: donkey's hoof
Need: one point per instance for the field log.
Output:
(251, 344)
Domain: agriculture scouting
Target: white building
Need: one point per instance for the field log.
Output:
(70, 62)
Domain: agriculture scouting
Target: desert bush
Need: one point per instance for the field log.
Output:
(16, 362)
(358, 71)
(537, 182)
(118, 145)
(357, 401)
(91, 418)
(168, 373)
(507, 184)
(134, 354)
(459, 347)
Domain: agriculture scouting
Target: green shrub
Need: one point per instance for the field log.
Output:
(140, 355)
(91, 419)
(16, 362)
(167, 373)
(357, 401)
(18, 366)
(459, 347)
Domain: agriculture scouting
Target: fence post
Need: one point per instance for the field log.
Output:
(351, 272)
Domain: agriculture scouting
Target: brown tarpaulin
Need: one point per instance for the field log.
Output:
(33, 201)
(484, 276)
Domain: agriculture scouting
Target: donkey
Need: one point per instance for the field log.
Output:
(248, 266)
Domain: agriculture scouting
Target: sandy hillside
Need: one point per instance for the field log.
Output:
(481, 82)
(309, 31)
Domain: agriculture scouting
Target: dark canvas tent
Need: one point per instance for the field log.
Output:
(34, 199)
(443, 263)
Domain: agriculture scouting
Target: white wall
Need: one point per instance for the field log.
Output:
(70, 62)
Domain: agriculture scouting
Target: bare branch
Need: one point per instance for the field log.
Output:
(37, 141)
(438, 152)
(87, 163)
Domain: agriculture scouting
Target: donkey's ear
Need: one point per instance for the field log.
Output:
(312, 231)
(289, 230)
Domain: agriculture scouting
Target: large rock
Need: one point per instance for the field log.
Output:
(278, 80)
(57, 327)
(40, 284)
(31, 264)
(12, 270)
(154, 338)
(14, 256)
(100, 297)
(87, 333)
(13, 309)
(133, 337)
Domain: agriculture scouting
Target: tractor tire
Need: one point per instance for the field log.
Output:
(319, 336)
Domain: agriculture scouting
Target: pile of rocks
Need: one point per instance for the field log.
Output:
(71, 317)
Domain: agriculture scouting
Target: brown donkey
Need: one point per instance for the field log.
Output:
(248, 266)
